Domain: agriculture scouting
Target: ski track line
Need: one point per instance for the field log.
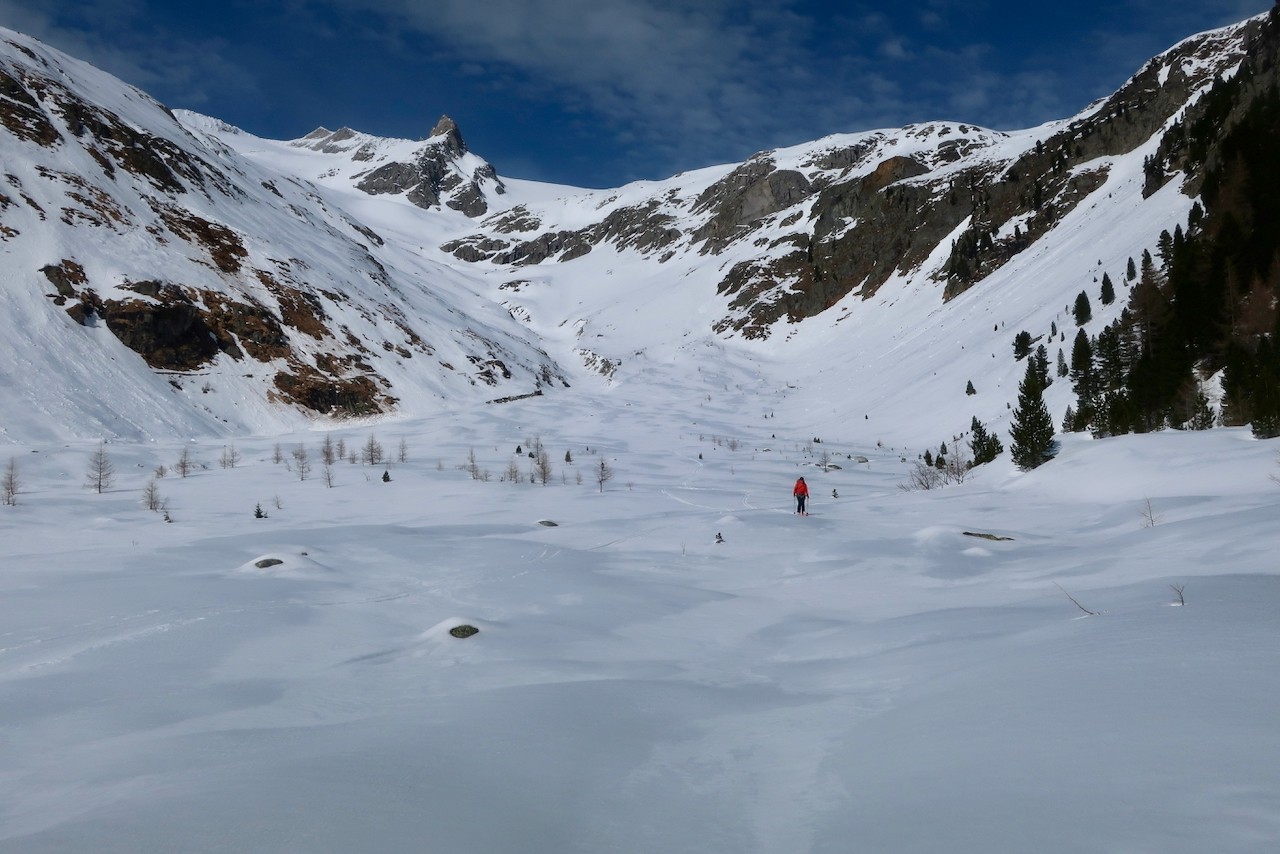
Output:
(176, 622)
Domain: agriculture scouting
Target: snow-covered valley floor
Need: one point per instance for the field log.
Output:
(869, 678)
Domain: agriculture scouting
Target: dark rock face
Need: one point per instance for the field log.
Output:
(22, 114)
(748, 194)
(65, 277)
(168, 334)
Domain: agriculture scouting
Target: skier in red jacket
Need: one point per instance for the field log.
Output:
(801, 492)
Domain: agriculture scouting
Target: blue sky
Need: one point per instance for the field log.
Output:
(601, 92)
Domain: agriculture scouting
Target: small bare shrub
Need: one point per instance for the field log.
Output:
(542, 465)
(230, 457)
(185, 464)
(302, 462)
(921, 476)
(10, 484)
(151, 497)
(1149, 517)
(604, 473)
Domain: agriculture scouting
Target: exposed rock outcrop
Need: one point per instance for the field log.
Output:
(436, 175)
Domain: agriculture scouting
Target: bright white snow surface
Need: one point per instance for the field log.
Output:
(868, 678)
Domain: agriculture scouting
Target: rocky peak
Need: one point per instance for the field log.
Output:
(441, 172)
(448, 129)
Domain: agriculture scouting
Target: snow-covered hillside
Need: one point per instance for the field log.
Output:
(157, 284)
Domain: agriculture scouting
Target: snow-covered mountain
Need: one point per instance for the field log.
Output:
(239, 284)
(223, 296)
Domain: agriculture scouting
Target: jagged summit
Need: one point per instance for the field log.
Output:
(448, 129)
(432, 173)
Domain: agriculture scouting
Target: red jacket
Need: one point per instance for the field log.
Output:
(802, 488)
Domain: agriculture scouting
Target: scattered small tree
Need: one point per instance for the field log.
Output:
(326, 472)
(101, 471)
(969, 389)
(604, 474)
(230, 457)
(372, 453)
(302, 461)
(513, 471)
(568, 457)
(329, 452)
(402, 451)
(542, 466)
(151, 496)
(277, 455)
(258, 512)
(472, 467)
(10, 484)
(185, 464)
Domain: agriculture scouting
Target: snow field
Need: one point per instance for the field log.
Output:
(868, 675)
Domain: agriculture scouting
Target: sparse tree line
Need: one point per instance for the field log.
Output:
(952, 465)
(100, 471)
(540, 469)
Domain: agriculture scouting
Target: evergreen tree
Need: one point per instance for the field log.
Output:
(985, 446)
(1040, 362)
(1083, 379)
(1131, 270)
(1062, 363)
(1031, 432)
(1021, 344)
(1083, 312)
(969, 389)
(1108, 294)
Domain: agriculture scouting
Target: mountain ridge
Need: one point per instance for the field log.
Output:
(763, 263)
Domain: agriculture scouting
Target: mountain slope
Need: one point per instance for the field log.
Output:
(234, 299)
